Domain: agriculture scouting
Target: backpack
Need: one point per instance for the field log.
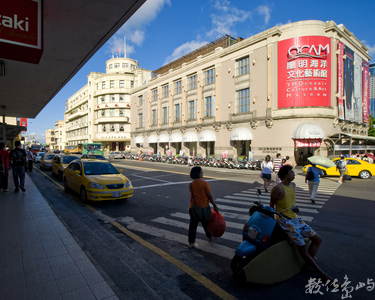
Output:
(340, 164)
(18, 157)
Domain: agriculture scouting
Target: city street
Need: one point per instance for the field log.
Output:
(152, 227)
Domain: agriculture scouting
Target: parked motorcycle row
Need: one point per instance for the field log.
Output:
(229, 163)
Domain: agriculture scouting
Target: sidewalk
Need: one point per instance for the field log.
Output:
(39, 258)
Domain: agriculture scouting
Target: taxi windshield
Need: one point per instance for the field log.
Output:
(95, 168)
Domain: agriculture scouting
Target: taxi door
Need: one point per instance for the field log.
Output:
(353, 166)
(54, 167)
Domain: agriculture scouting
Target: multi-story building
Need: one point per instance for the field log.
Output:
(59, 135)
(294, 89)
(50, 139)
(100, 111)
(372, 89)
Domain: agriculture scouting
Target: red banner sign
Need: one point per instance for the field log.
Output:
(366, 92)
(23, 122)
(340, 80)
(308, 143)
(304, 76)
(21, 30)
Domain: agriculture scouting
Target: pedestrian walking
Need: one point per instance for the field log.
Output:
(277, 163)
(18, 159)
(200, 197)
(314, 182)
(4, 161)
(267, 168)
(30, 157)
(341, 167)
(288, 162)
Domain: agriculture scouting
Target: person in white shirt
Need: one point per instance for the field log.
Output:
(30, 157)
(267, 169)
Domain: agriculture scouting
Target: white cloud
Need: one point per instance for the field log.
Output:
(264, 10)
(371, 49)
(135, 28)
(184, 49)
(281, 24)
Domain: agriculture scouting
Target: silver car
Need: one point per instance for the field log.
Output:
(38, 156)
(115, 155)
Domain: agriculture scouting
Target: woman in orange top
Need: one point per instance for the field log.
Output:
(200, 194)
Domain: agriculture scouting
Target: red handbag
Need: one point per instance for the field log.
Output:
(217, 224)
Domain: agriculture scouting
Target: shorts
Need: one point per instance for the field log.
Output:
(296, 229)
(342, 172)
(266, 176)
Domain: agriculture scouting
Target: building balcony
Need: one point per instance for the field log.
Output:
(115, 105)
(76, 115)
(116, 119)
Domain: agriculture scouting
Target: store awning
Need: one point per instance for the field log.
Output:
(207, 136)
(163, 138)
(139, 140)
(308, 131)
(175, 138)
(241, 134)
(153, 138)
(353, 136)
(190, 137)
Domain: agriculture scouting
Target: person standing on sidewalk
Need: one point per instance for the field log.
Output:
(4, 154)
(18, 159)
(276, 166)
(314, 183)
(341, 167)
(30, 157)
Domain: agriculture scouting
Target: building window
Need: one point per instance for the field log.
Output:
(125, 65)
(165, 91)
(243, 101)
(132, 67)
(97, 86)
(102, 98)
(121, 112)
(103, 128)
(110, 67)
(209, 76)
(111, 83)
(192, 82)
(117, 65)
(140, 100)
(177, 113)
(121, 84)
(112, 98)
(103, 112)
(122, 127)
(103, 84)
(112, 128)
(165, 115)
(192, 110)
(154, 94)
(208, 106)
(112, 112)
(131, 84)
(140, 120)
(154, 119)
(121, 97)
(242, 66)
(177, 87)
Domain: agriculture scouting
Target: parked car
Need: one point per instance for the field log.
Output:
(96, 180)
(60, 162)
(46, 161)
(93, 156)
(115, 155)
(356, 167)
(38, 156)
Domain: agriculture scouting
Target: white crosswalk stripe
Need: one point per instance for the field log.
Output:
(235, 210)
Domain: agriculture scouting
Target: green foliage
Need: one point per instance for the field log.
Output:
(371, 131)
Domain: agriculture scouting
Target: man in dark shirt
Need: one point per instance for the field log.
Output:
(18, 159)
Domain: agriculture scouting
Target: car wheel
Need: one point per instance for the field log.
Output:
(364, 174)
(40, 167)
(238, 263)
(83, 195)
(66, 187)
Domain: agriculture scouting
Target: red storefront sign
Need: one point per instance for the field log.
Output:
(304, 72)
(308, 143)
(23, 122)
(366, 92)
(340, 80)
(21, 30)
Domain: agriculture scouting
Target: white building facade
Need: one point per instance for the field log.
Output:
(100, 111)
(283, 90)
(59, 135)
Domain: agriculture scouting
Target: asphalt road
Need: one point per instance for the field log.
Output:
(157, 214)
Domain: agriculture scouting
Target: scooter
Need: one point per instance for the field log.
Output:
(266, 256)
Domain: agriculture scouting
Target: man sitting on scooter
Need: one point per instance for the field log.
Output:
(283, 197)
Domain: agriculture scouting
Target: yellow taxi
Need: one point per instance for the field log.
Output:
(60, 162)
(96, 180)
(46, 161)
(355, 167)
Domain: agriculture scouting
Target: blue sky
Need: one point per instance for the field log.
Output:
(163, 30)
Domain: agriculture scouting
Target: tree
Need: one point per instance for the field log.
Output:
(371, 131)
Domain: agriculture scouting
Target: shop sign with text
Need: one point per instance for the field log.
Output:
(308, 143)
(304, 72)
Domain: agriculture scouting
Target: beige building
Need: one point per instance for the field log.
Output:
(50, 139)
(59, 135)
(278, 91)
(100, 111)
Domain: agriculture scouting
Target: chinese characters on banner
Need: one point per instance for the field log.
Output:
(340, 79)
(366, 92)
(349, 84)
(308, 143)
(357, 89)
(304, 76)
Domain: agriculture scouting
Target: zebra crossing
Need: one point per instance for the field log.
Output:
(235, 210)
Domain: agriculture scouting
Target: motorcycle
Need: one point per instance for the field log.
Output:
(266, 256)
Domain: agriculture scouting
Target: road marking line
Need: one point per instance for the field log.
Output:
(164, 184)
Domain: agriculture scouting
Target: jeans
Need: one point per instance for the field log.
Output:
(30, 165)
(313, 188)
(18, 171)
(193, 228)
(4, 180)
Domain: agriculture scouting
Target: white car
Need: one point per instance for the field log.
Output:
(115, 155)
(38, 156)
